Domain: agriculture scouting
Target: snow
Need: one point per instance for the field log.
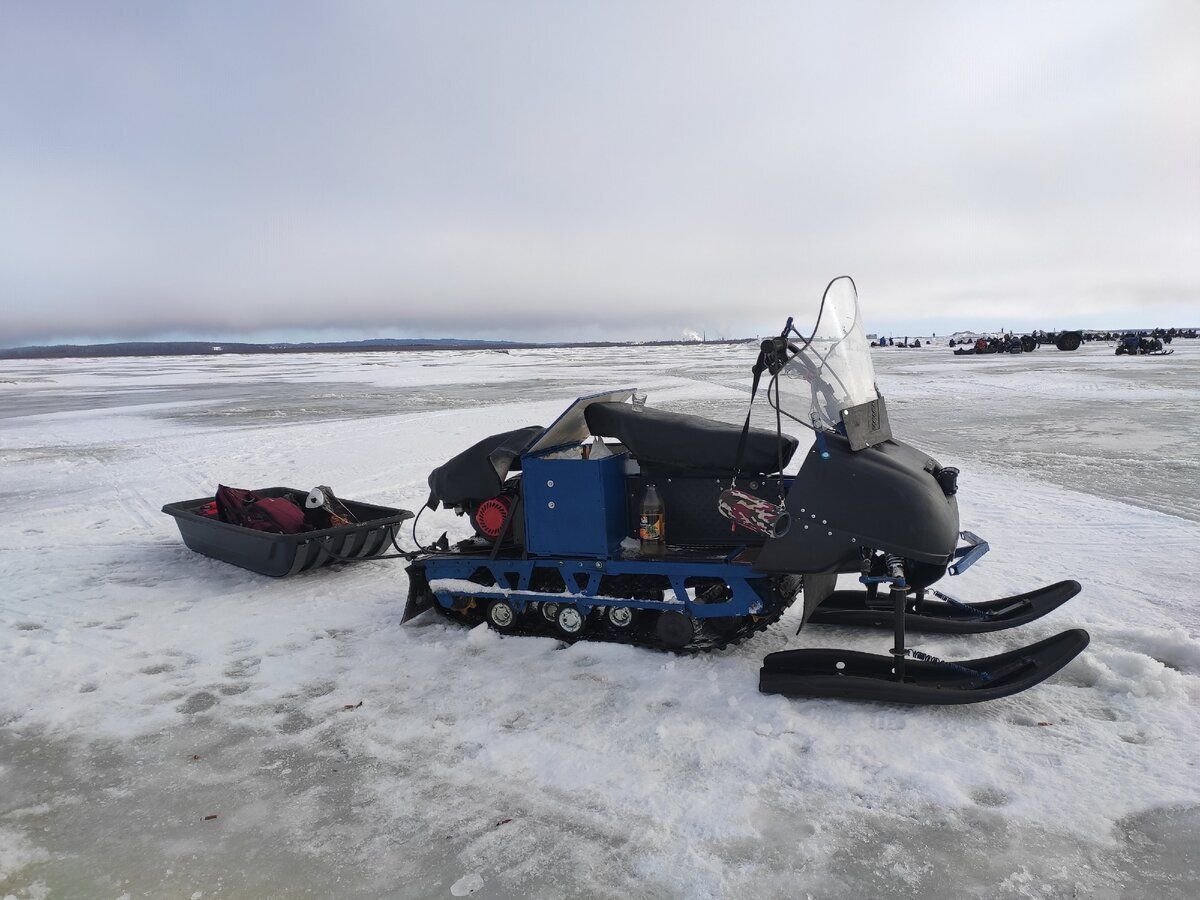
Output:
(467, 885)
(17, 852)
(149, 688)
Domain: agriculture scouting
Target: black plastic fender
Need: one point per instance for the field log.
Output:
(885, 497)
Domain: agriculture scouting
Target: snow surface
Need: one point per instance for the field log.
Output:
(173, 726)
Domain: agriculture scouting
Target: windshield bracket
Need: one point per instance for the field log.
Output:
(867, 424)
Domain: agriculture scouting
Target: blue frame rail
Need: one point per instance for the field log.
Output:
(745, 599)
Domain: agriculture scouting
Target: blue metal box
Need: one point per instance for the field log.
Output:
(574, 507)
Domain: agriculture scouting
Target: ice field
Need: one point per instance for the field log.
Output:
(171, 726)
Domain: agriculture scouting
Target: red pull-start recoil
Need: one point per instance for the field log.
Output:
(490, 515)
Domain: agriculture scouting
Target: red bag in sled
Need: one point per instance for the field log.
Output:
(277, 515)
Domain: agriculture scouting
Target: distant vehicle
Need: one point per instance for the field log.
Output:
(1008, 343)
(1063, 340)
(1142, 345)
(1072, 340)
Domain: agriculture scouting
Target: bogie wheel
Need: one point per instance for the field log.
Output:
(675, 630)
(570, 621)
(550, 611)
(620, 617)
(501, 615)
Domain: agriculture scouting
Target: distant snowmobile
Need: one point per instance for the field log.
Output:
(1141, 345)
(564, 545)
(1006, 344)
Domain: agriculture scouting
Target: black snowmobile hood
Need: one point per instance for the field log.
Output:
(885, 497)
(479, 471)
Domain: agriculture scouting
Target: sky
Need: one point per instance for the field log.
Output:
(579, 170)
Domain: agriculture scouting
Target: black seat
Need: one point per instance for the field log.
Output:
(680, 442)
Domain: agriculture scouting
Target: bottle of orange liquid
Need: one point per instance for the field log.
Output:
(652, 523)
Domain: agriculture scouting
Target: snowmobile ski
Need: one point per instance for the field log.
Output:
(932, 616)
(851, 675)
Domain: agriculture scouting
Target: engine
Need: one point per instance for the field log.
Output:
(488, 516)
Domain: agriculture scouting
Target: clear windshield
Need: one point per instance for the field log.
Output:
(831, 370)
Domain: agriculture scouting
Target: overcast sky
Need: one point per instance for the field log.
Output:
(571, 169)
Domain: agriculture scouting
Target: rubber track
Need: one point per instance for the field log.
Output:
(634, 637)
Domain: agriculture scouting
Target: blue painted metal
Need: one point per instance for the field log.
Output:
(822, 445)
(966, 556)
(745, 599)
(574, 507)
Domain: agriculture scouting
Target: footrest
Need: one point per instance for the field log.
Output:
(850, 675)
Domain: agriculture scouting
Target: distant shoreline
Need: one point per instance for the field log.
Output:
(216, 348)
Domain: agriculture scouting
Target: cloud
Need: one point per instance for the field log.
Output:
(609, 169)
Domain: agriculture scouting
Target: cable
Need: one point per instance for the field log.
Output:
(416, 519)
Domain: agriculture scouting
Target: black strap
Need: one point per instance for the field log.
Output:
(741, 451)
(778, 438)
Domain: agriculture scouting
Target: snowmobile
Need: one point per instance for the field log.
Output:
(1006, 344)
(555, 512)
(1141, 345)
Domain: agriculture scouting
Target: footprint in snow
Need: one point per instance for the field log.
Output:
(197, 703)
(1024, 721)
(285, 649)
(319, 689)
(1141, 736)
(244, 667)
(120, 623)
(294, 721)
(990, 797)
